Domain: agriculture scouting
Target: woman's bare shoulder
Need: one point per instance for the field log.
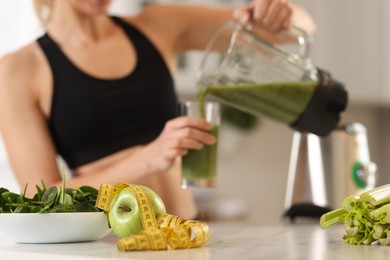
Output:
(183, 26)
(158, 15)
(146, 15)
(20, 68)
(163, 23)
(22, 58)
(170, 13)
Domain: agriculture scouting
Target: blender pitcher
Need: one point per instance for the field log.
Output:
(248, 72)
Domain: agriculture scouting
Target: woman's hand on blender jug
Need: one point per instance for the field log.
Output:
(274, 16)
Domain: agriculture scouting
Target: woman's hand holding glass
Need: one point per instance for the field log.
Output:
(178, 136)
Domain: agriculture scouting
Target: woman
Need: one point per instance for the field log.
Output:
(98, 91)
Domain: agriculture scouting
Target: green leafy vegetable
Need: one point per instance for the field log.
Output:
(366, 217)
(49, 200)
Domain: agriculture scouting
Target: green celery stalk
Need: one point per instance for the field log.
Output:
(381, 214)
(351, 230)
(349, 202)
(353, 240)
(332, 218)
(385, 241)
(377, 196)
(368, 241)
(379, 232)
(366, 217)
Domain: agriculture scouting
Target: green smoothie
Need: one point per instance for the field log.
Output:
(281, 101)
(201, 164)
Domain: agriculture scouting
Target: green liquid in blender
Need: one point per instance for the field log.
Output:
(201, 164)
(281, 101)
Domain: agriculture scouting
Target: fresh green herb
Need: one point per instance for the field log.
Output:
(49, 200)
(366, 217)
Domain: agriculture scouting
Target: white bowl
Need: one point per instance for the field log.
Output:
(54, 227)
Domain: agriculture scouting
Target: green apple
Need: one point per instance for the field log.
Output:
(124, 215)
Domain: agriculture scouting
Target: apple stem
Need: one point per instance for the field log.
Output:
(124, 208)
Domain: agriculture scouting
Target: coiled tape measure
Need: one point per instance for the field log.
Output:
(159, 233)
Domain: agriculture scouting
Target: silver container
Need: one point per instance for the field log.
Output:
(323, 171)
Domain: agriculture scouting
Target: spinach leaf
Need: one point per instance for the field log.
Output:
(52, 199)
(50, 196)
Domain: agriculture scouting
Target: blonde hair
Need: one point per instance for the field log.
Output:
(43, 10)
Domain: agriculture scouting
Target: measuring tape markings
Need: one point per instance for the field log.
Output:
(164, 232)
(148, 218)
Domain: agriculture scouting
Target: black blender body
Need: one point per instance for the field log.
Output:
(322, 114)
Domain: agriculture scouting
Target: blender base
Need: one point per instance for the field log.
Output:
(307, 210)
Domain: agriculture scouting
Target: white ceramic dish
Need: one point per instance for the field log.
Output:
(54, 227)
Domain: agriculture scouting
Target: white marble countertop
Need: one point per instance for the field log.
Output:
(228, 241)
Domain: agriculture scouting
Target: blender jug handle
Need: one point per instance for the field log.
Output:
(303, 39)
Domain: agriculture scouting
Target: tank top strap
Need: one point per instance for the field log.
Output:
(57, 60)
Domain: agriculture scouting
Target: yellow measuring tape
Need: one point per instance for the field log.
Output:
(159, 233)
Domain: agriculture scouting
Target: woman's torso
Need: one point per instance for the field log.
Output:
(106, 65)
(92, 117)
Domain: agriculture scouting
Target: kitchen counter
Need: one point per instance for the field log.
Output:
(228, 241)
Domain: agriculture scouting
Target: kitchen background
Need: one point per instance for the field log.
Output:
(351, 41)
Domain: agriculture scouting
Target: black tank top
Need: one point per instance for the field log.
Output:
(91, 118)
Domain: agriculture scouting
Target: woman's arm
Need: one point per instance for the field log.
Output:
(22, 124)
(191, 26)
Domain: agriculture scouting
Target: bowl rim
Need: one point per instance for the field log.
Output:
(27, 234)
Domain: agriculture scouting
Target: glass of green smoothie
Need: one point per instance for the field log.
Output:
(199, 167)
